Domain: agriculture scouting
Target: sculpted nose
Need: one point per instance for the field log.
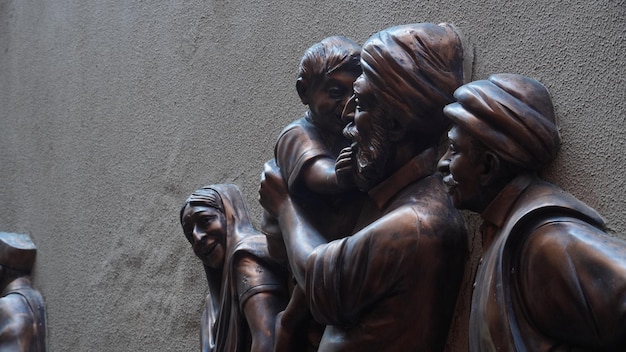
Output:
(348, 111)
(197, 236)
(443, 166)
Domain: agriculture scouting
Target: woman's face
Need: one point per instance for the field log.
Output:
(205, 228)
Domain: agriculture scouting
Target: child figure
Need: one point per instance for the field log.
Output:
(307, 148)
(305, 153)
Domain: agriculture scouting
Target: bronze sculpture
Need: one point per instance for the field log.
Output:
(246, 285)
(392, 285)
(22, 310)
(307, 148)
(550, 278)
(305, 153)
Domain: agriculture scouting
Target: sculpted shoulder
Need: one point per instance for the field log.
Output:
(300, 127)
(15, 317)
(421, 226)
(573, 281)
(13, 304)
(434, 208)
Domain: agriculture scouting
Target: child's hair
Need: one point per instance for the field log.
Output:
(331, 54)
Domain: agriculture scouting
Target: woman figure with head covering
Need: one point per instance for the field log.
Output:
(246, 286)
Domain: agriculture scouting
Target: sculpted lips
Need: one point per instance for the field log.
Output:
(206, 251)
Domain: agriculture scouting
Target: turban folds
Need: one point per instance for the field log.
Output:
(17, 251)
(415, 69)
(510, 114)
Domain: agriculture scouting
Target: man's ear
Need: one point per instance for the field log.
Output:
(302, 91)
(492, 170)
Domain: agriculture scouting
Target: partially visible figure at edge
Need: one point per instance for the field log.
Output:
(22, 310)
(550, 278)
(305, 152)
(246, 285)
(391, 285)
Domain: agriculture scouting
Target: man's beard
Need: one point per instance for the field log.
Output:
(449, 182)
(371, 160)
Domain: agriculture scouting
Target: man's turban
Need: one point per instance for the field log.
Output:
(415, 69)
(510, 114)
(17, 251)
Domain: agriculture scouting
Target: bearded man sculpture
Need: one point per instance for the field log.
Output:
(392, 284)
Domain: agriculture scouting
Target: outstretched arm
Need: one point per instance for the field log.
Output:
(299, 236)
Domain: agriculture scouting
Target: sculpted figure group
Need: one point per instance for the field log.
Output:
(362, 245)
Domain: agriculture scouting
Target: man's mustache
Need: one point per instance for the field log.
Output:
(350, 131)
(449, 181)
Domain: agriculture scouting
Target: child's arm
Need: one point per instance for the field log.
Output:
(319, 176)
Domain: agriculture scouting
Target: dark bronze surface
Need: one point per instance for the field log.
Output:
(305, 153)
(307, 148)
(246, 285)
(392, 284)
(550, 278)
(22, 310)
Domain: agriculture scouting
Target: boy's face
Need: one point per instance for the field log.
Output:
(327, 99)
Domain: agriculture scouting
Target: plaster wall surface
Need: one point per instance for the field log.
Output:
(112, 112)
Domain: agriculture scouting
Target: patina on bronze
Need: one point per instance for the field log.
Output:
(22, 310)
(246, 285)
(305, 153)
(392, 284)
(307, 148)
(550, 278)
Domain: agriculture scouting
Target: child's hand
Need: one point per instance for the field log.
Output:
(344, 168)
(273, 190)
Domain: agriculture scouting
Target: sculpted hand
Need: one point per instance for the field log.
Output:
(273, 191)
(344, 168)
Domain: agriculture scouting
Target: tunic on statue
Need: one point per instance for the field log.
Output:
(550, 274)
(393, 285)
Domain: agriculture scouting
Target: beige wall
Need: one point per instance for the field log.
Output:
(112, 112)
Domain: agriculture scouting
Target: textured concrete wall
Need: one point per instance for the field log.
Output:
(112, 112)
